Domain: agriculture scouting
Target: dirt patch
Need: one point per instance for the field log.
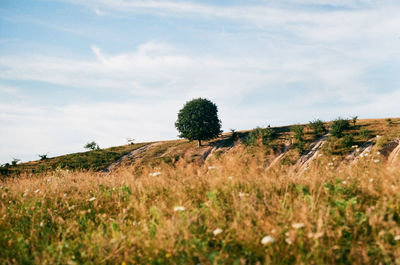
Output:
(130, 156)
(304, 161)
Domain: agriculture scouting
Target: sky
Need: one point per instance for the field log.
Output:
(75, 71)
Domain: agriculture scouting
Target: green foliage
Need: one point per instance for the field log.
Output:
(265, 135)
(347, 141)
(317, 127)
(92, 146)
(15, 161)
(298, 132)
(339, 126)
(354, 120)
(389, 121)
(43, 156)
(198, 120)
(364, 133)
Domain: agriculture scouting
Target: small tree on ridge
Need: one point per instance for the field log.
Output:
(198, 120)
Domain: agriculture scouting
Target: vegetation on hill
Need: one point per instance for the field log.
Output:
(198, 120)
(238, 207)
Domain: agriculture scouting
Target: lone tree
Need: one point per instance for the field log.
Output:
(198, 120)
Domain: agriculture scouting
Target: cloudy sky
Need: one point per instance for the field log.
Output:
(73, 71)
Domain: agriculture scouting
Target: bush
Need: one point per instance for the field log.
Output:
(339, 126)
(15, 161)
(92, 146)
(265, 135)
(318, 128)
(298, 132)
(43, 157)
(364, 133)
(389, 121)
(354, 120)
(347, 141)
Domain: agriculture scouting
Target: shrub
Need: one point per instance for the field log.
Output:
(234, 135)
(298, 132)
(265, 135)
(389, 121)
(15, 161)
(347, 141)
(339, 126)
(354, 120)
(43, 157)
(92, 146)
(318, 128)
(364, 133)
(198, 120)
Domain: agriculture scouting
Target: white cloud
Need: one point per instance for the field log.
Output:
(299, 58)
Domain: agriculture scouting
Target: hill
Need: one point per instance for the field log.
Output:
(263, 196)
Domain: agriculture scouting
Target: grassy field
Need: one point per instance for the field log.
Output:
(232, 209)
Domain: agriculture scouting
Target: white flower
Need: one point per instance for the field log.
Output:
(298, 225)
(92, 199)
(179, 208)
(267, 240)
(377, 160)
(243, 194)
(212, 167)
(397, 238)
(217, 231)
(289, 241)
(155, 174)
(371, 180)
(344, 182)
(330, 164)
(36, 191)
(230, 177)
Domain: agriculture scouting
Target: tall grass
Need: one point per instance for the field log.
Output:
(334, 213)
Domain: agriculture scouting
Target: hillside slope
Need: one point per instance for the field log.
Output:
(263, 200)
(280, 150)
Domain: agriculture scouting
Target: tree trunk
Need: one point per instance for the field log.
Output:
(199, 142)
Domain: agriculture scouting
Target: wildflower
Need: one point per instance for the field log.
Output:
(344, 182)
(36, 191)
(289, 241)
(155, 174)
(243, 194)
(217, 231)
(168, 255)
(267, 240)
(212, 167)
(92, 199)
(371, 180)
(230, 177)
(179, 208)
(41, 224)
(298, 225)
(377, 160)
(330, 164)
(397, 238)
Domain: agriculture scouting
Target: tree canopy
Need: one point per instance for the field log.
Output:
(198, 120)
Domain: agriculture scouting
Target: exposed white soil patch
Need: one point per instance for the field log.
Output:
(363, 151)
(392, 159)
(132, 155)
(279, 157)
(304, 161)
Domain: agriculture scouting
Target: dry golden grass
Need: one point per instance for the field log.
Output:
(334, 213)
